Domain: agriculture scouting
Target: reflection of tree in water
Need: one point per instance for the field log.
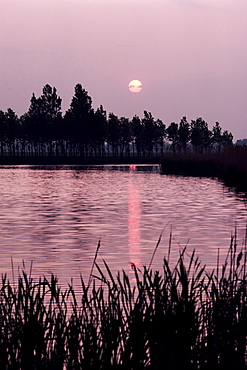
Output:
(134, 212)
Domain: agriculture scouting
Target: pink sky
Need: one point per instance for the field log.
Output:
(190, 55)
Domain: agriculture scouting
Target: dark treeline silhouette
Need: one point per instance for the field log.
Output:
(83, 131)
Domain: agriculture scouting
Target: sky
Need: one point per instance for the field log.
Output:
(190, 55)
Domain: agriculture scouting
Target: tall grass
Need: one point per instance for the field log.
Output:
(183, 317)
(230, 165)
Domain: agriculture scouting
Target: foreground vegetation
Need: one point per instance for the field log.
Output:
(184, 318)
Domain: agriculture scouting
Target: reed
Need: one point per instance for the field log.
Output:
(182, 317)
(230, 165)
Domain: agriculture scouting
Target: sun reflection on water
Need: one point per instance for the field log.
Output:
(134, 214)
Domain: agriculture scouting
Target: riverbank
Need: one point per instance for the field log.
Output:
(77, 160)
(229, 166)
(184, 318)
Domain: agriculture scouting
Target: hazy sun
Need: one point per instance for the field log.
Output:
(135, 86)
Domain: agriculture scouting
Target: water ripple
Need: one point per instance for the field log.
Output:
(55, 217)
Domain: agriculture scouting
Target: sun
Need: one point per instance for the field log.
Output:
(135, 86)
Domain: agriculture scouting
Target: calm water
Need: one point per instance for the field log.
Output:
(56, 216)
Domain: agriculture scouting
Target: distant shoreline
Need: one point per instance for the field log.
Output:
(229, 166)
(76, 160)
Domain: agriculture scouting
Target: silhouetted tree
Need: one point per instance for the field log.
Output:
(42, 120)
(200, 135)
(99, 131)
(3, 131)
(138, 134)
(220, 139)
(126, 135)
(113, 132)
(12, 132)
(173, 136)
(160, 134)
(217, 136)
(34, 122)
(227, 139)
(184, 134)
(25, 137)
(78, 119)
(83, 130)
(149, 131)
(51, 109)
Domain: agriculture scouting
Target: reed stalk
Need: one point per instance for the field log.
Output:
(183, 317)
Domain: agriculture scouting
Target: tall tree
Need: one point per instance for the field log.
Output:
(217, 136)
(126, 135)
(160, 129)
(43, 117)
(99, 131)
(138, 134)
(149, 131)
(34, 121)
(113, 133)
(220, 139)
(184, 133)
(200, 135)
(12, 127)
(173, 136)
(3, 131)
(79, 117)
(51, 105)
(227, 139)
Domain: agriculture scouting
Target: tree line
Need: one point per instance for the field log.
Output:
(83, 131)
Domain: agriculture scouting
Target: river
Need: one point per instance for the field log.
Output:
(55, 216)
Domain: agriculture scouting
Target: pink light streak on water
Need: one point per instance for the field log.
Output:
(134, 214)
